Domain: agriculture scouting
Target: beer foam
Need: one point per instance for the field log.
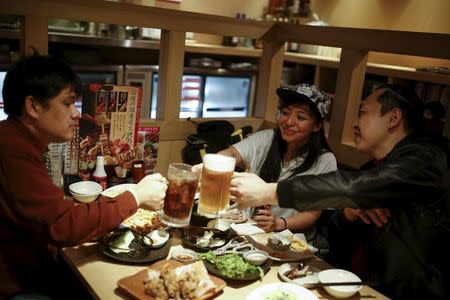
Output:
(218, 162)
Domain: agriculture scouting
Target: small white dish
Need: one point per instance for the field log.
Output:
(256, 257)
(158, 238)
(184, 255)
(339, 275)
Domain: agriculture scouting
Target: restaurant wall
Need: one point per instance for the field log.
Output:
(407, 15)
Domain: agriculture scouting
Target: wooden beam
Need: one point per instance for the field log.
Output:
(269, 77)
(435, 45)
(34, 37)
(349, 85)
(137, 15)
(170, 74)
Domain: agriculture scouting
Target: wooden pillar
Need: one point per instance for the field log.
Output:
(349, 85)
(170, 74)
(269, 77)
(34, 35)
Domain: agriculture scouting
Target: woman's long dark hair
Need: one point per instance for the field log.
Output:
(316, 146)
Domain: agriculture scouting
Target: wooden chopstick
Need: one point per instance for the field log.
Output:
(319, 284)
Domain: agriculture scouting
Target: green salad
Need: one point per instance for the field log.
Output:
(232, 265)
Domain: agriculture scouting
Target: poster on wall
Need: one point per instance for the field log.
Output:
(147, 147)
(108, 127)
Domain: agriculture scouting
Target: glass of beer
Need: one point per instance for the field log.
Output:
(215, 185)
(180, 195)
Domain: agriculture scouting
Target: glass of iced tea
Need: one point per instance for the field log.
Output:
(180, 195)
(215, 185)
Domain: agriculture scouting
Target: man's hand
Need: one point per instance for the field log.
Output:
(378, 216)
(151, 190)
(248, 190)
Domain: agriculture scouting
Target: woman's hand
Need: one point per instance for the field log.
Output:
(150, 191)
(248, 190)
(265, 219)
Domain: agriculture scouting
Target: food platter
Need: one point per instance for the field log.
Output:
(192, 235)
(134, 287)
(259, 241)
(212, 269)
(144, 253)
(303, 280)
(235, 215)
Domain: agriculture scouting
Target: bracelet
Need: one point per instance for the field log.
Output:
(285, 223)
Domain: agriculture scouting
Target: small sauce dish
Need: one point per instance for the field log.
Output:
(184, 255)
(256, 257)
(157, 238)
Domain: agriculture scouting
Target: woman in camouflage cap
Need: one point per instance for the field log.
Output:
(296, 147)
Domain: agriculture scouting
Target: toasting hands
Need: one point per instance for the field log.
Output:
(248, 190)
(151, 190)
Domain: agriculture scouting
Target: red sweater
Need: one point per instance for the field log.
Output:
(35, 219)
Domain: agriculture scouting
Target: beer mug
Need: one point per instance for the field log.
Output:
(215, 185)
(180, 195)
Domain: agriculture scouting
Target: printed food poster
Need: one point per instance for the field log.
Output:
(147, 147)
(108, 127)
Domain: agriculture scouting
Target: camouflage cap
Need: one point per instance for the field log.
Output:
(305, 91)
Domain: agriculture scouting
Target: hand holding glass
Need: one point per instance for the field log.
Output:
(179, 195)
(215, 184)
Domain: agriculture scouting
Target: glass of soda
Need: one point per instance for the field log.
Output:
(180, 195)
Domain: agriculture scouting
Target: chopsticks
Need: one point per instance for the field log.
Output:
(319, 284)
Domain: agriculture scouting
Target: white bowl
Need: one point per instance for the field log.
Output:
(85, 191)
(339, 275)
(158, 238)
(256, 257)
(184, 255)
(219, 224)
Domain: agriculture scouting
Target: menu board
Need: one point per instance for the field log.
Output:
(108, 126)
(147, 147)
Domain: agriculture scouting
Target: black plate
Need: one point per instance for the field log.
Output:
(247, 277)
(189, 236)
(145, 254)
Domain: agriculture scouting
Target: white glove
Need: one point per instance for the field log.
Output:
(150, 191)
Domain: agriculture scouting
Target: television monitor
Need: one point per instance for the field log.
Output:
(226, 96)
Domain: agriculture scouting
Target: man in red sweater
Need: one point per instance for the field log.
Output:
(35, 220)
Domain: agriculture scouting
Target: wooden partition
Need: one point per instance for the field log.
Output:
(355, 43)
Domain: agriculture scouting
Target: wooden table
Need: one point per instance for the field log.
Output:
(100, 275)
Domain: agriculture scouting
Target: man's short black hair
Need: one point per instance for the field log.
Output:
(42, 77)
(404, 98)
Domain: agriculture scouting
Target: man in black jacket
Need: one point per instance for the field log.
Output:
(407, 256)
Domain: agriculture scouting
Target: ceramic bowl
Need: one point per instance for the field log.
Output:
(339, 275)
(184, 255)
(85, 191)
(219, 224)
(256, 257)
(158, 238)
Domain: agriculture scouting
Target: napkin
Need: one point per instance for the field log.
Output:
(246, 229)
